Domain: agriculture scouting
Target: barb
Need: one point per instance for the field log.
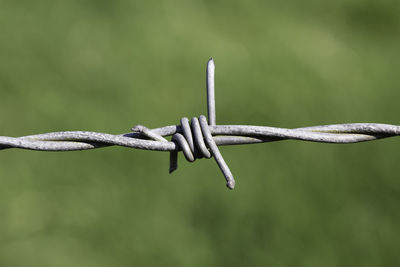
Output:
(211, 92)
(198, 138)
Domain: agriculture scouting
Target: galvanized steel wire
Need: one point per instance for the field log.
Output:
(199, 138)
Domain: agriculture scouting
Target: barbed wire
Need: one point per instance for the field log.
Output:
(200, 138)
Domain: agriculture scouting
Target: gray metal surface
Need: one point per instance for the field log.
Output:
(198, 138)
(211, 92)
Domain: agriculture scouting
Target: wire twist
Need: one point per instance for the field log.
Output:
(199, 138)
(195, 142)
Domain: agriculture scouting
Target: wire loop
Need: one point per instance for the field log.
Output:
(197, 142)
(200, 139)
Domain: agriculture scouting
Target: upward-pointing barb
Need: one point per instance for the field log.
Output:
(199, 139)
(211, 92)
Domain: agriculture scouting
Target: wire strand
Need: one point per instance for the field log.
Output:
(199, 138)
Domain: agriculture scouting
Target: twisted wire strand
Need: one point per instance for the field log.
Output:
(198, 138)
(222, 135)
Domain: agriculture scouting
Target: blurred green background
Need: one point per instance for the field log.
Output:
(109, 65)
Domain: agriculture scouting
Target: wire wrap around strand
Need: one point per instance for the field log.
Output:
(195, 141)
(220, 134)
(199, 139)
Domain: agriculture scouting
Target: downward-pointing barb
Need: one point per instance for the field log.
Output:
(230, 181)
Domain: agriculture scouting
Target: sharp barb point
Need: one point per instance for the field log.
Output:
(202, 136)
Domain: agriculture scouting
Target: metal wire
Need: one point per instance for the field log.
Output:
(198, 138)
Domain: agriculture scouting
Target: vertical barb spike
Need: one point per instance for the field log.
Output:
(211, 92)
(173, 161)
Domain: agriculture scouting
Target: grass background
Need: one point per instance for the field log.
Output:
(108, 65)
